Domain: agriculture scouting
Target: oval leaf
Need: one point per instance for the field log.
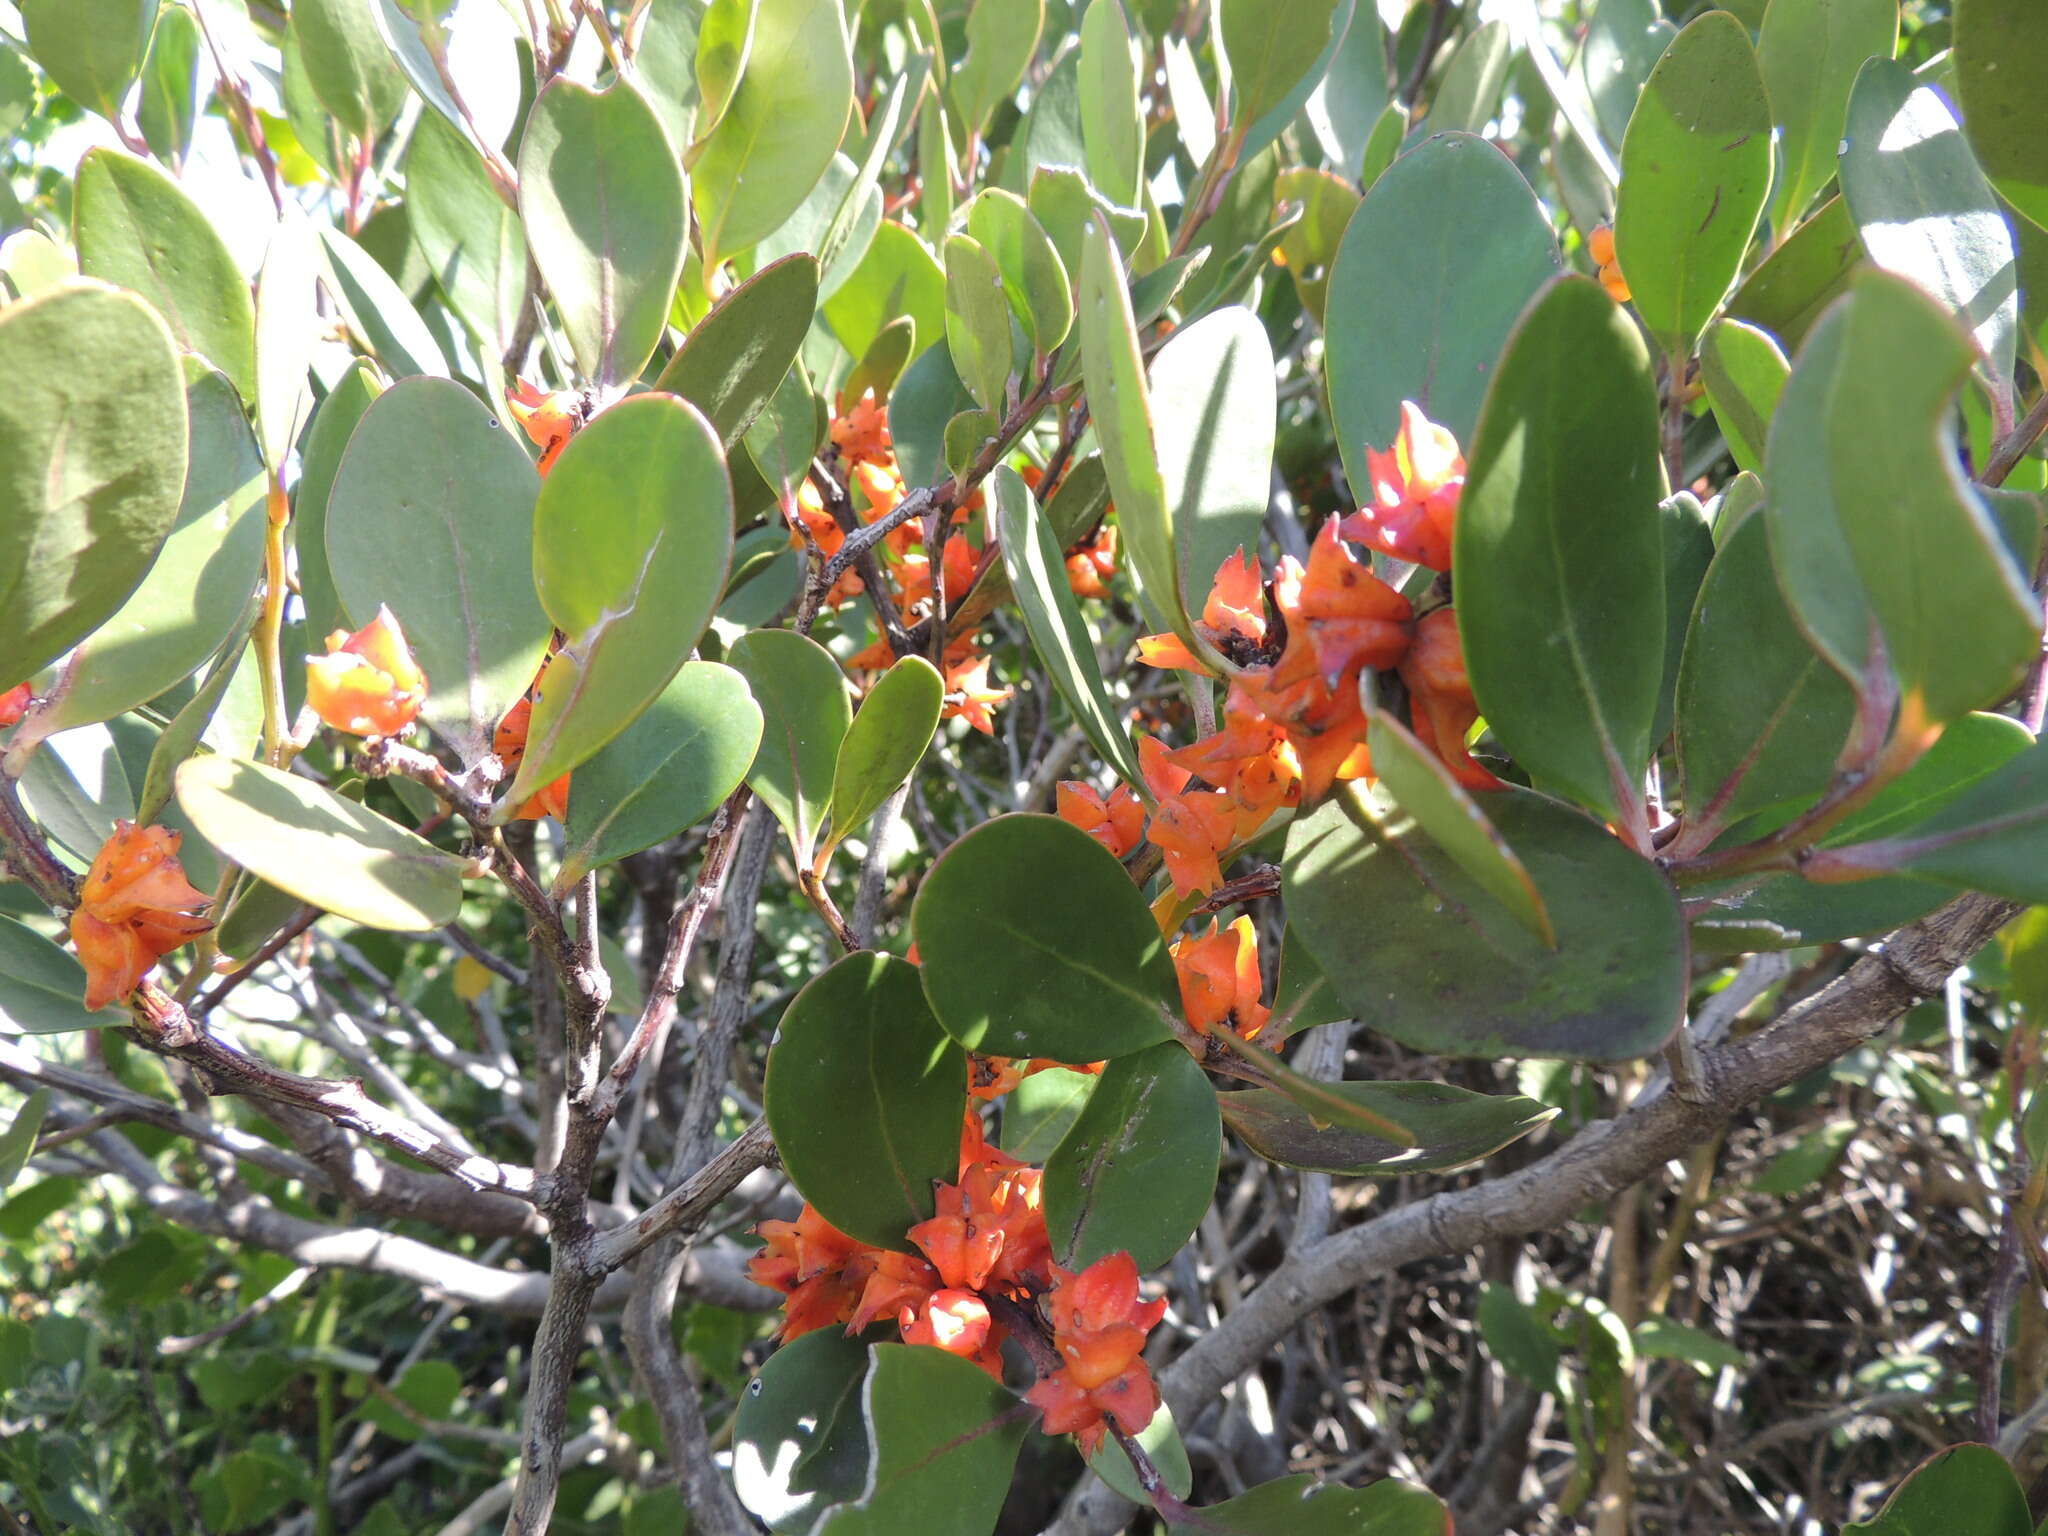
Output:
(885, 743)
(1214, 404)
(2001, 54)
(1452, 1127)
(42, 988)
(1810, 52)
(805, 714)
(470, 236)
(1744, 372)
(977, 321)
(736, 356)
(799, 1440)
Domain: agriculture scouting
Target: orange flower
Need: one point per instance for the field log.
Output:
(1441, 708)
(14, 704)
(1219, 979)
(1099, 1329)
(1236, 606)
(1163, 776)
(817, 1267)
(1192, 829)
(135, 906)
(1117, 823)
(1600, 246)
(958, 1322)
(368, 683)
(898, 1283)
(1169, 651)
(861, 432)
(970, 696)
(1091, 565)
(1342, 613)
(549, 420)
(509, 742)
(1414, 493)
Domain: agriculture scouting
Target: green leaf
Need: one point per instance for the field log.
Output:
(429, 515)
(1925, 211)
(977, 321)
(377, 309)
(1468, 94)
(1050, 133)
(736, 356)
(1520, 1337)
(319, 461)
(347, 64)
(1421, 787)
(77, 787)
(1966, 1490)
(1121, 400)
(1559, 550)
(836, 225)
(1162, 1443)
(1001, 37)
(1036, 943)
(1034, 278)
(899, 277)
(287, 333)
(1040, 1111)
(668, 770)
(1695, 170)
(180, 739)
(1052, 617)
(1138, 1168)
(1744, 372)
(1810, 52)
(1112, 122)
(327, 851)
(469, 235)
(632, 538)
(1866, 492)
(781, 130)
(199, 588)
(800, 1442)
(787, 433)
(2001, 46)
(137, 229)
(1445, 250)
(1213, 406)
(1624, 41)
(666, 63)
(882, 363)
(1664, 1338)
(1310, 246)
(1418, 950)
(19, 1139)
(91, 49)
(1451, 1126)
(1301, 1506)
(603, 203)
(168, 107)
(885, 743)
(1807, 271)
(805, 715)
(1063, 202)
(42, 988)
(92, 460)
(865, 1094)
(943, 1441)
(1761, 717)
(1270, 49)
(1347, 104)
(724, 38)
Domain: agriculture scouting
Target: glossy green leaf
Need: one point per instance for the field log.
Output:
(180, 738)
(328, 851)
(835, 225)
(91, 49)
(1966, 1490)
(943, 1440)
(377, 309)
(1664, 1338)
(1695, 170)
(1001, 37)
(1624, 41)
(1559, 550)
(199, 587)
(1138, 1168)
(1270, 49)
(168, 106)
(805, 715)
(1806, 272)
(1214, 407)
(2001, 55)
(1520, 1336)
(1925, 211)
(736, 356)
(1810, 52)
(1348, 102)
(668, 770)
(977, 321)
(1418, 950)
(1039, 1111)
(882, 363)
(76, 787)
(724, 39)
(1687, 537)
(935, 168)
(1446, 249)
(632, 537)
(19, 1139)
(1744, 372)
(885, 743)
(137, 229)
(781, 130)
(1063, 202)
(1034, 278)
(469, 235)
(42, 987)
(92, 461)
(865, 1094)
(799, 1440)
(1761, 717)
(1421, 787)
(347, 64)
(429, 515)
(665, 62)
(1112, 122)
(603, 203)
(787, 433)
(1310, 246)
(1032, 558)
(1161, 1442)
(1036, 943)
(1468, 94)
(319, 462)
(287, 333)
(1121, 400)
(898, 277)
(1050, 133)
(1301, 1506)
(1864, 481)
(1451, 1126)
